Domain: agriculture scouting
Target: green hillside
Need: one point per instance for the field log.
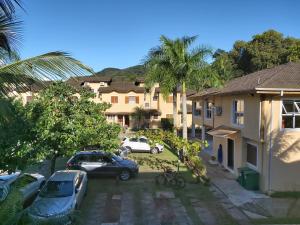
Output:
(129, 73)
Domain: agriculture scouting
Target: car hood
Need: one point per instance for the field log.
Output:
(127, 163)
(46, 207)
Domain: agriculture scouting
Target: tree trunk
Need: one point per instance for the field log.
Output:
(53, 163)
(184, 112)
(175, 110)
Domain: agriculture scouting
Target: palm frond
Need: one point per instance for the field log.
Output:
(10, 34)
(8, 9)
(50, 66)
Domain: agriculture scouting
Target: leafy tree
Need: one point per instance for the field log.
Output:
(65, 121)
(265, 50)
(174, 64)
(15, 137)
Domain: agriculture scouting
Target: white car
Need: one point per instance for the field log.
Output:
(28, 184)
(141, 144)
(61, 195)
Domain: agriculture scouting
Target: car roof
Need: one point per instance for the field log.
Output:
(89, 152)
(7, 178)
(64, 175)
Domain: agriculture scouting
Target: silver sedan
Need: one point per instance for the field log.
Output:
(61, 195)
(27, 184)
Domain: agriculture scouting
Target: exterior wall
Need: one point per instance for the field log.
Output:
(282, 146)
(166, 109)
(121, 106)
(238, 153)
(278, 150)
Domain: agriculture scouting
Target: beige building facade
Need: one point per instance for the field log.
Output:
(124, 97)
(255, 122)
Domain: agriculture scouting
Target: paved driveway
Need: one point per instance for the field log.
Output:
(141, 202)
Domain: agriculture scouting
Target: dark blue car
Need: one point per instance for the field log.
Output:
(100, 163)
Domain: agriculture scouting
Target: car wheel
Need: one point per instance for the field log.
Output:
(124, 175)
(154, 151)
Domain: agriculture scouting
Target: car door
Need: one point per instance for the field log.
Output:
(143, 144)
(91, 164)
(110, 166)
(28, 185)
(134, 144)
(79, 188)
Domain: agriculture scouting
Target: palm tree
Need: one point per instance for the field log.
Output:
(140, 115)
(15, 72)
(173, 64)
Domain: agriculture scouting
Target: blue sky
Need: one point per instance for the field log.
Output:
(118, 33)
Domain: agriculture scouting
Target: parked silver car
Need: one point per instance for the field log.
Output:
(27, 184)
(61, 195)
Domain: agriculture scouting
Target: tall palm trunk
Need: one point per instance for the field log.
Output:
(184, 111)
(175, 110)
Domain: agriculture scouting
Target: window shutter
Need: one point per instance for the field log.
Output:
(112, 99)
(137, 99)
(126, 99)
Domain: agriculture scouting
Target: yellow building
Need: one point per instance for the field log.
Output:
(124, 97)
(255, 122)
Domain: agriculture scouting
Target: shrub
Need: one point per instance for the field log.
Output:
(190, 149)
(167, 124)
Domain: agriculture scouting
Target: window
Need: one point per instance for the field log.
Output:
(78, 181)
(208, 109)
(238, 112)
(155, 97)
(169, 116)
(133, 140)
(143, 140)
(169, 99)
(131, 99)
(114, 99)
(290, 114)
(252, 154)
(147, 105)
(197, 109)
(155, 117)
(111, 117)
(28, 99)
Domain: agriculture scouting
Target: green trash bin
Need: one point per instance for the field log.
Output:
(248, 178)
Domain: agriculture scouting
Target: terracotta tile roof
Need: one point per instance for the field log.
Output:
(286, 76)
(122, 87)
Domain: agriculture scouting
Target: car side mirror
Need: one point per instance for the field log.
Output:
(76, 190)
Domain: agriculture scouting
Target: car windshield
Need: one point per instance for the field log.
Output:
(54, 189)
(116, 158)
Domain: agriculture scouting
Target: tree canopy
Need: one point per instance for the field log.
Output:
(263, 51)
(56, 123)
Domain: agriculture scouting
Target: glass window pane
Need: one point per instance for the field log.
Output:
(287, 121)
(289, 106)
(297, 121)
(252, 154)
